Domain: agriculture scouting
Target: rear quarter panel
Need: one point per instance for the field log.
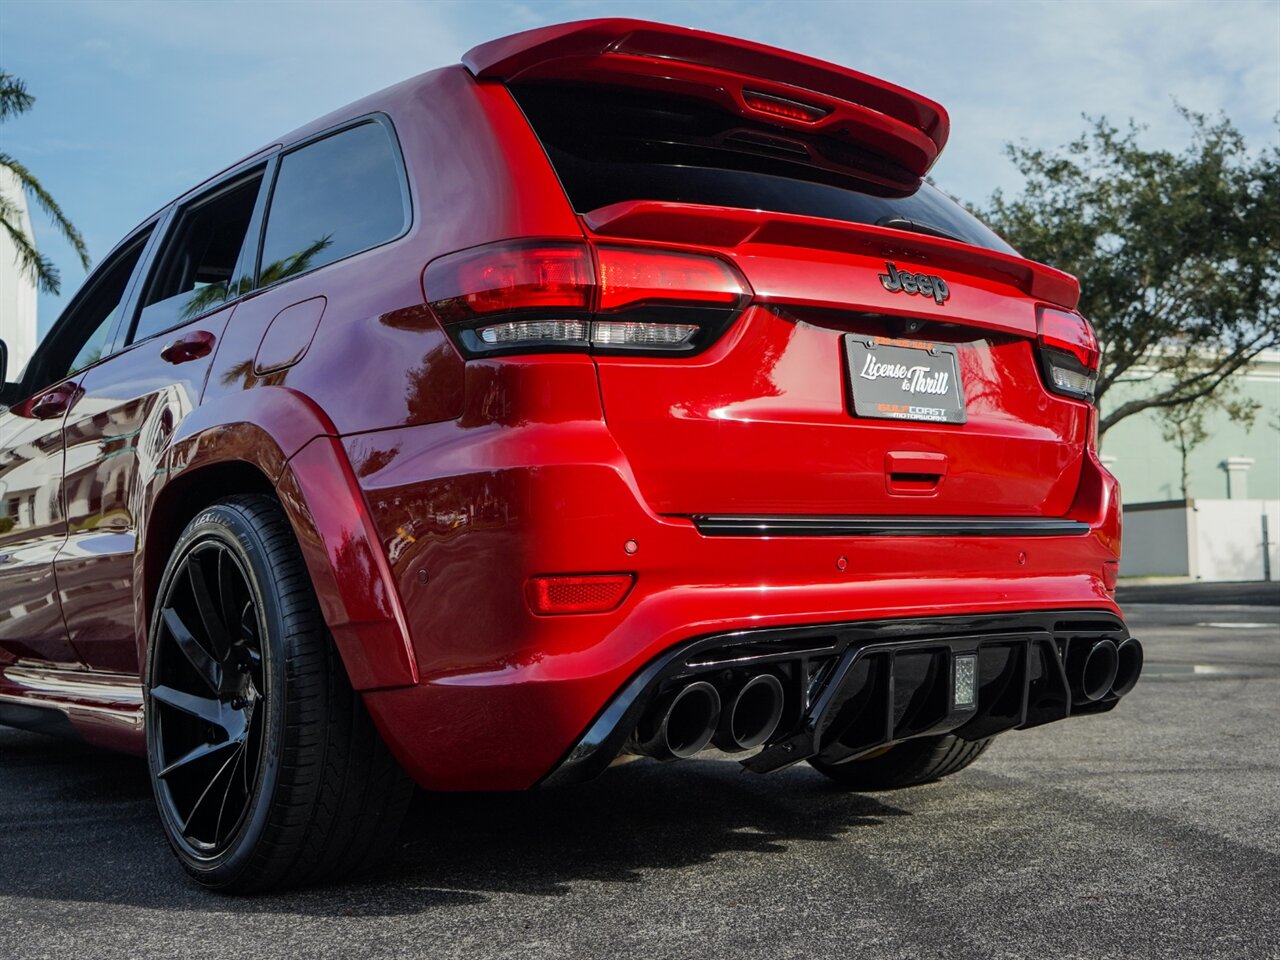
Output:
(377, 359)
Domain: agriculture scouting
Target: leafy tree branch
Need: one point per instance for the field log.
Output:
(1178, 252)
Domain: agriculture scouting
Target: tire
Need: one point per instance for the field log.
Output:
(244, 690)
(906, 764)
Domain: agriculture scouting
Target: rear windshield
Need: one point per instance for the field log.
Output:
(610, 145)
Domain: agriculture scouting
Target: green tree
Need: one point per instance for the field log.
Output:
(1184, 426)
(15, 100)
(1178, 253)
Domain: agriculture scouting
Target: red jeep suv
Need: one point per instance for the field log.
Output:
(624, 390)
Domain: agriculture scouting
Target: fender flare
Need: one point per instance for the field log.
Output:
(284, 437)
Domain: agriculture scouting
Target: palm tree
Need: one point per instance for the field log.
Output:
(15, 100)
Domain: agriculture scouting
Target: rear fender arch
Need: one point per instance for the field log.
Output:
(277, 441)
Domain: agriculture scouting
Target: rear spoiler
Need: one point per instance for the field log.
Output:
(901, 129)
(731, 227)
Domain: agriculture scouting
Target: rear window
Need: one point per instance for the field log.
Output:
(610, 145)
(334, 198)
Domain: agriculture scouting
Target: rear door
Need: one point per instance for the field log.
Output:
(32, 528)
(33, 510)
(128, 407)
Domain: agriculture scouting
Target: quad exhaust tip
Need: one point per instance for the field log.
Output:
(1128, 667)
(1093, 673)
(684, 721)
(752, 715)
(680, 724)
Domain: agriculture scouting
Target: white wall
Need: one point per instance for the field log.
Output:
(17, 289)
(1228, 541)
(1156, 538)
(1213, 540)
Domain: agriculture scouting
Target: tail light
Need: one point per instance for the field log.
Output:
(527, 297)
(1068, 353)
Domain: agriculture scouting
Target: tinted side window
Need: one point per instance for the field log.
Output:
(80, 336)
(333, 198)
(193, 271)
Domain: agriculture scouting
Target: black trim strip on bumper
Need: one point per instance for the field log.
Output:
(710, 525)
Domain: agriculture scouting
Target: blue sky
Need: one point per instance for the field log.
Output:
(139, 100)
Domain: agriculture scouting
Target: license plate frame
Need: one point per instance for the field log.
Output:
(916, 380)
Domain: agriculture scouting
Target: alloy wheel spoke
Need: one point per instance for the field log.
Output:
(198, 753)
(244, 767)
(248, 623)
(196, 655)
(203, 708)
(215, 626)
(229, 605)
(249, 655)
(226, 794)
(186, 824)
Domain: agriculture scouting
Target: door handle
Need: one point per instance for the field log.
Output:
(189, 346)
(909, 462)
(52, 404)
(914, 474)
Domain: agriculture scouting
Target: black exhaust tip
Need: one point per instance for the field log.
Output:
(1093, 672)
(681, 724)
(1128, 667)
(752, 715)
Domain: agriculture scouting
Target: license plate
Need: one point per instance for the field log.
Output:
(905, 379)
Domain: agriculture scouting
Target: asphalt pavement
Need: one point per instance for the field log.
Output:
(1151, 831)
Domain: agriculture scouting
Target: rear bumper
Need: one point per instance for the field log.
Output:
(466, 516)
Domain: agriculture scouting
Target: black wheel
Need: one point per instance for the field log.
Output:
(906, 764)
(266, 768)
